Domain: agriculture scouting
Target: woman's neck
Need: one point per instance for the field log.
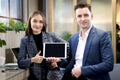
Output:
(36, 33)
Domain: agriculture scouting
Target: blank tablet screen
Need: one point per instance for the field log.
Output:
(54, 50)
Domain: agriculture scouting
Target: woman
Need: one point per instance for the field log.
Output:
(31, 48)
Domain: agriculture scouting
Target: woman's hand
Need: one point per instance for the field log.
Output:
(37, 58)
(53, 59)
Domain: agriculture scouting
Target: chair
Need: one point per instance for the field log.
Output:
(115, 74)
(12, 55)
(15, 52)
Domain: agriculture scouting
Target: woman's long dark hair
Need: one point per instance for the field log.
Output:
(28, 30)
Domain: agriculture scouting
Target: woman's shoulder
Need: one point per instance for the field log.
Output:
(49, 33)
(25, 38)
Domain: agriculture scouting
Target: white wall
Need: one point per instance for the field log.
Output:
(2, 49)
(12, 40)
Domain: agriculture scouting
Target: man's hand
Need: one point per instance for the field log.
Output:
(76, 72)
(37, 58)
(53, 65)
(53, 61)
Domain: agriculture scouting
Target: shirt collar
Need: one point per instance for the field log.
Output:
(87, 32)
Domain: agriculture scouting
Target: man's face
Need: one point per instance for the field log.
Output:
(84, 17)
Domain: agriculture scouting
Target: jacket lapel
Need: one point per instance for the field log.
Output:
(32, 46)
(46, 37)
(75, 43)
(88, 44)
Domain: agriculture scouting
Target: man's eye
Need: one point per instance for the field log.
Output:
(79, 16)
(86, 15)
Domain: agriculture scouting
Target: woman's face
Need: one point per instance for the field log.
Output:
(37, 24)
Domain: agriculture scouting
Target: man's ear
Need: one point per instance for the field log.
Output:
(91, 15)
(75, 19)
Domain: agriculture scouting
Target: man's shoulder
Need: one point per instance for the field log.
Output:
(76, 35)
(100, 31)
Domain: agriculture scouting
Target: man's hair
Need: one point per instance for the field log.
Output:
(82, 5)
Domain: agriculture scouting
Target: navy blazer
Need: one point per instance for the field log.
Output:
(28, 50)
(98, 55)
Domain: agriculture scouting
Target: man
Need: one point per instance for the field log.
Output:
(91, 53)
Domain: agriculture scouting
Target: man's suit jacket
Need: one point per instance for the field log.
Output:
(28, 47)
(98, 55)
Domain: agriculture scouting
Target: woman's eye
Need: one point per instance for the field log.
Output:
(34, 20)
(41, 21)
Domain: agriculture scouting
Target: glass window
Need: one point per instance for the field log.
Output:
(4, 8)
(63, 18)
(102, 18)
(81, 1)
(15, 9)
(10, 9)
(4, 20)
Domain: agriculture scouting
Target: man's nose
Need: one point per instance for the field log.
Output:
(82, 18)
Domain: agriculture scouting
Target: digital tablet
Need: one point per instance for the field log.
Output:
(54, 49)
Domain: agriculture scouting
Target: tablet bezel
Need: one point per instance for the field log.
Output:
(65, 47)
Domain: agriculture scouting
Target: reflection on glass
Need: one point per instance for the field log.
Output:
(81, 1)
(118, 12)
(63, 16)
(4, 20)
(102, 14)
(4, 8)
(15, 9)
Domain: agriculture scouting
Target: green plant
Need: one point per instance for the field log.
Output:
(118, 56)
(11, 26)
(66, 36)
(2, 30)
(17, 26)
